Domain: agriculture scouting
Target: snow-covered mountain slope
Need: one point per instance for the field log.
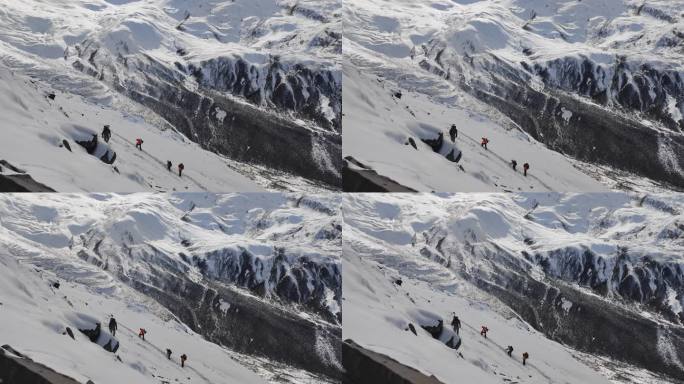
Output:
(598, 81)
(35, 128)
(258, 274)
(577, 281)
(34, 315)
(382, 123)
(239, 78)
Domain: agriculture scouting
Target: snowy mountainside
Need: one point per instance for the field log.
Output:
(236, 77)
(37, 127)
(596, 277)
(382, 123)
(34, 315)
(598, 81)
(256, 273)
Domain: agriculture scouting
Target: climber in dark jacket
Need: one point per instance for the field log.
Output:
(181, 167)
(168, 165)
(509, 350)
(168, 353)
(456, 323)
(484, 331)
(525, 168)
(514, 164)
(453, 133)
(183, 358)
(112, 326)
(106, 133)
(525, 357)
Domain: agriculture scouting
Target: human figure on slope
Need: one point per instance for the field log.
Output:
(455, 323)
(183, 358)
(525, 357)
(181, 167)
(142, 333)
(484, 331)
(514, 164)
(112, 325)
(168, 353)
(168, 165)
(526, 166)
(106, 133)
(509, 350)
(453, 133)
(138, 143)
(484, 142)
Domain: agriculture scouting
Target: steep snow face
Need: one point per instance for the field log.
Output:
(383, 124)
(583, 270)
(35, 315)
(600, 81)
(42, 139)
(257, 273)
(271, 66)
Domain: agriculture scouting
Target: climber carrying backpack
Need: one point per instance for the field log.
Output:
(142, 333)
(168, 353)
(183, 358)
(514, 164)
(484, 331)
(168, 165)
(526, 166)
(509, 350)
(455, 323)
(484, 142)
(138, 143)
(181, 167)
(453, 133)
(106, 133)
(112, 325)
(525, 357)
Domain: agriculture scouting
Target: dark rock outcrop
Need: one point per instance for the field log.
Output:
(22, 183)
(17, 368)
(266, 130)
(359, 178)
(603, 126)
(363, 366)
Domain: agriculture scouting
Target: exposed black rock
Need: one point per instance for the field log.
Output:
(436, 143)
(22, 183)
(363, 366)
(96, 336)
(92, 334)
(261, 132)
(360, 178)
(17, 368)
(435, 330)
(604, 126)
(544, 304)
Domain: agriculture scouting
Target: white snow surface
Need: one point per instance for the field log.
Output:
(380, 230)
(38, 38)
(377, 127)
(383, 46)
(39, 239)
(34, 127)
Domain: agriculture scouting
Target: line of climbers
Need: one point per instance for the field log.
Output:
(113, 326)
(456, 325)
(107, 134)
(453, 134)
